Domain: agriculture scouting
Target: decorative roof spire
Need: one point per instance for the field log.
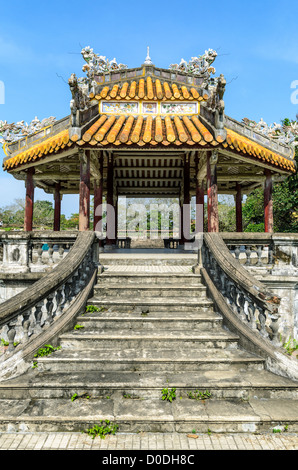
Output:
(148, 60)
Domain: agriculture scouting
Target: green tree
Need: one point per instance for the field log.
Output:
(43, 215)
(71, 223)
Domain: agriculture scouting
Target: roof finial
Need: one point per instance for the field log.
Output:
(148, 60)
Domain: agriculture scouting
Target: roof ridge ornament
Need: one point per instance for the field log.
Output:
(198, 66)
(285, 133)
(12, 132)
(148, 60)
(98, 64)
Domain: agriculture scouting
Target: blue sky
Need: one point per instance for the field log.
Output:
(40, 44)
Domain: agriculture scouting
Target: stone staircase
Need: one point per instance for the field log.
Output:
(155, 329)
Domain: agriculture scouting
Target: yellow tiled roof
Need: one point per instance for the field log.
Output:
(148, 89)
(246, 146)
(127, 130)
(123, 129)
(47, 147)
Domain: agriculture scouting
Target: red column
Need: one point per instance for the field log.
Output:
(186, 202)
(239, 225)
(213, 222)
(110, 203)
(29, 202)
(57, 207)
(200, 195)
(268, 203)
(98, 193)
(84, 208)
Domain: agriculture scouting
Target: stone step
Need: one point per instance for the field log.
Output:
(222, 384)
(177, 304)
(149, 415)
(147, 359)
(149, 321)
(125, 338)
(129, 278)
(137, 291)
(148, 259)
(138, 313)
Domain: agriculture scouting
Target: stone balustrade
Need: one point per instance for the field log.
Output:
(248, 307)
(33, 317)
(24, 252)
(123, 242)
(276, 253)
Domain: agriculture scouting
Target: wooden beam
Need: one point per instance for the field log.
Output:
(50, 158)
(142, 168)
(149, 178)
(252, 161)
(246, 177)
(148, 189)
(57, 176)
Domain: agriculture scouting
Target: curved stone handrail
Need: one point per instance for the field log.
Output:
(26, 317)
(247, 307)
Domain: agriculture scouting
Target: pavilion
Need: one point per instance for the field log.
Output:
(148, 132)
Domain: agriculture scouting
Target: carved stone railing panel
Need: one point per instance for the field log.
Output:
(27, 315)
(34, 251)
(247, 297)
(276, 253)
(251, 250)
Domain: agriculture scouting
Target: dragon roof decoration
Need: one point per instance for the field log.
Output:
(15, 131)
(199, 66)
(286, 132)
(98, 64)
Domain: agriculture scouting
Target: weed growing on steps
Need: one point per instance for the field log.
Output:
(76, 396)
(280, 429)
(45, 351)
(168, 395)
(106, 427)
(93, 308)
(197, 395)
(78, 327)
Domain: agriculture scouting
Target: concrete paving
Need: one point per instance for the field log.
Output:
(148, 441)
